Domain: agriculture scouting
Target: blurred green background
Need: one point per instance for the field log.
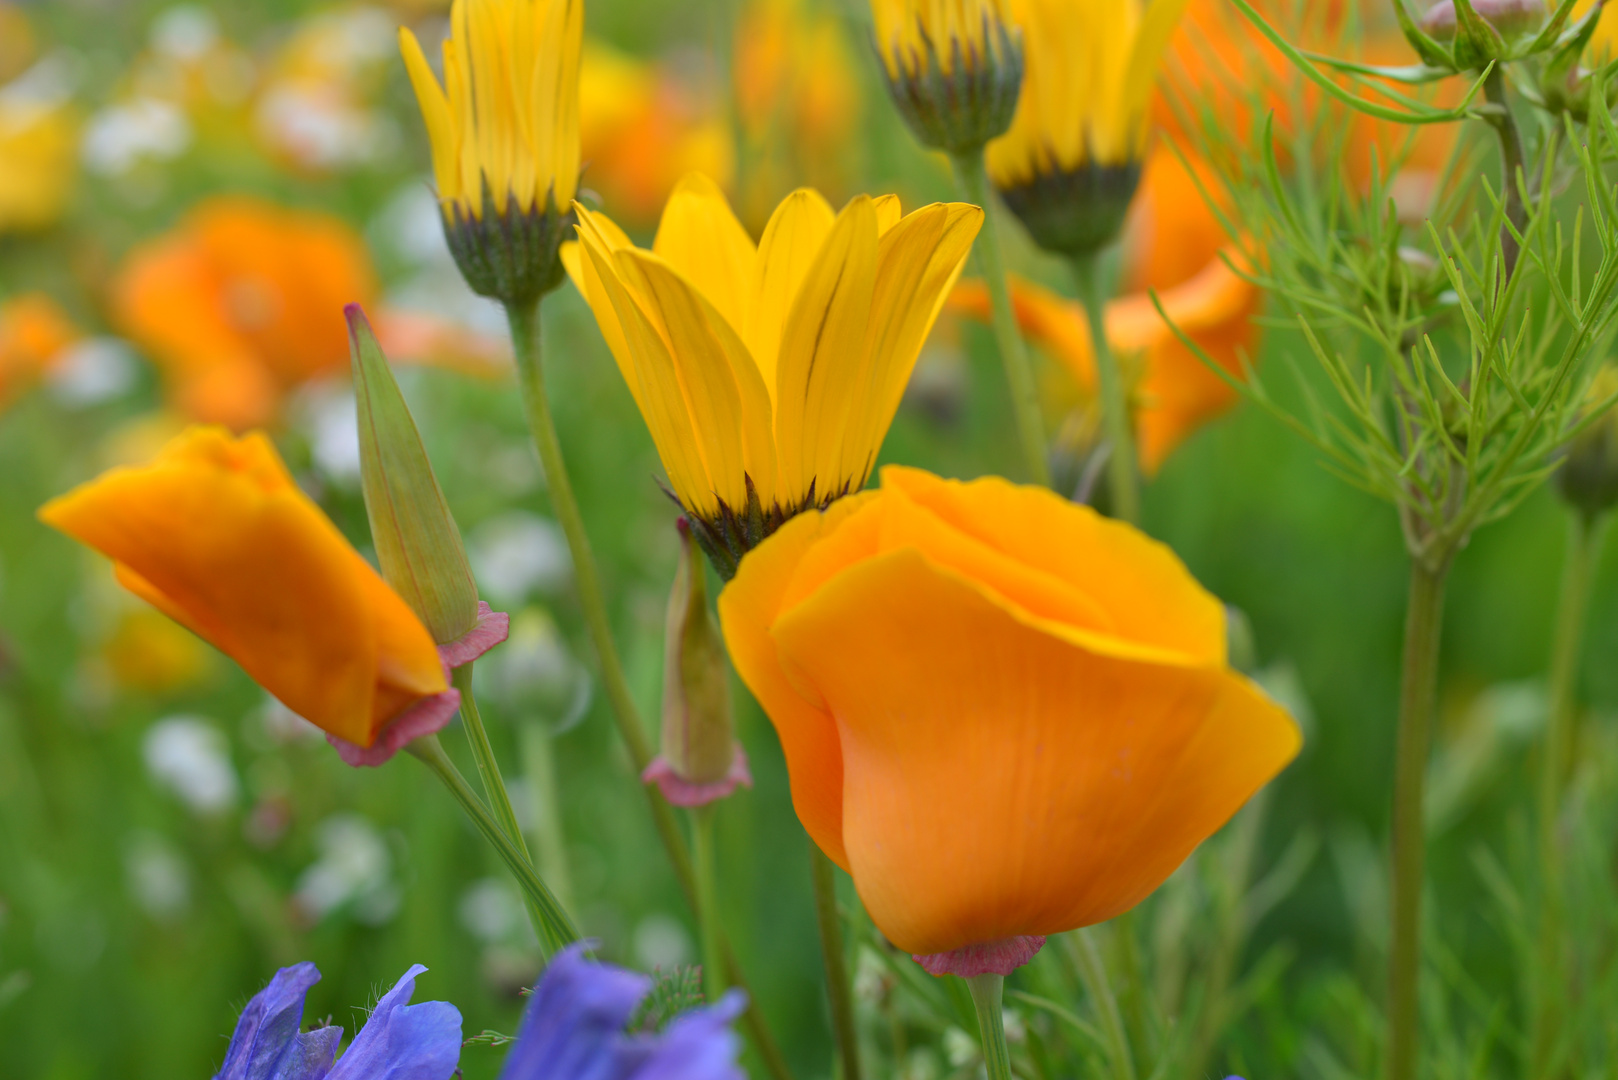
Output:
(152, 878)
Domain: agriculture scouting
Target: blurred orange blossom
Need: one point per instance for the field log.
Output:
(34, 333)
(243, 302)
(1003, 714)
(215, 534)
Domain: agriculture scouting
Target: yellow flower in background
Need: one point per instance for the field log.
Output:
(38, 160)
(216, 535)
(17, 43)
(149, 652)
(34, 334)
(642, 127)
(1004, 714)
(769, 374)
(505, 123)
(1069, 164)
(956, 33)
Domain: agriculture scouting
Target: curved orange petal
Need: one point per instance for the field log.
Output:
(999, 781)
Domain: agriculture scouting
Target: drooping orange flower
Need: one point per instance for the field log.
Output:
(244, 301)
(642, 129)
(1003, 714)
(215, 534)
(34, 333)
(1176, 247)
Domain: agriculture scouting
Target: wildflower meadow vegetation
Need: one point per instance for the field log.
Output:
(808, 539)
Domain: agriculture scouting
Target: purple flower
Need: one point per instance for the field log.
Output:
(399, 1042)
(573, 1029)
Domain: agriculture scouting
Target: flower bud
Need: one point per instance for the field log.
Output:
(417, 542)
(954, 70)
(1483, 30)
(701, 759)
(510, 255)
(1588, 479)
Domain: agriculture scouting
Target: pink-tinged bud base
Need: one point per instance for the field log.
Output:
(995, 958)
(432, 714)
(491, 629)
(681, 792)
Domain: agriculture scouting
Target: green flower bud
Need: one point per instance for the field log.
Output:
(511, 256)
(1483, 30)
(701, 761)
(417, 542)
(958, 93)
(1588, 478)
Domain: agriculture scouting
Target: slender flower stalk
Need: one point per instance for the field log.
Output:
(1417, 700)
(539, 770)
(974, 184)
(525, 337)
(1086, 957)
(708, 919)
(986, 993)
(494, 785)
(839, 988)
(1121, 470)
(556, 929)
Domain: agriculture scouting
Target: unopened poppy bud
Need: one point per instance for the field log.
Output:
(417, 542)
(701, 759)
(1588, 479)
(954, 69)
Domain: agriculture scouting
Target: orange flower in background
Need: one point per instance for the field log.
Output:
(798, 103)
(215, 534)
(243, 302)
(1003, 714)
(642, 129)
(34, 333)
(1173, 245)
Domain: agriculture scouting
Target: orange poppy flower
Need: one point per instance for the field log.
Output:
(1176, 246)
(34, 333)
(244, 301)
(1003, 714)
(215, 534)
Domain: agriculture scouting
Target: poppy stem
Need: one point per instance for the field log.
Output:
(1081, 947)
(525, 339)
(838, 989)
(539, 769)
(702, 849)
(973, 179)
(555, 928)
(1417, 699)
(494, 785)
(1585, 532)
(1512, 160)
(986, 991)
(1124, 480)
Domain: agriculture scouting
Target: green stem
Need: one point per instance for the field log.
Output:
(974, 183)
(986, 991)
(1417, 698)
(494, 785)
(838, 990)
(539, 766)
(1556, 765)
(702, 848)
(1132, 1003)
(1121, 472)
(554, 928)
(525, 339)
(1086, 958)
(1512, 157)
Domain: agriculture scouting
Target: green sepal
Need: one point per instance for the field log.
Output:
(418, 545)
(1427, 48)
(1562, 85)
(1476, 41)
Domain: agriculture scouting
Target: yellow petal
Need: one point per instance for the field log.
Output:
(999, 781)
(609, 238)
(435, 112)
(793, 238)
(821, 355)
(700, 237)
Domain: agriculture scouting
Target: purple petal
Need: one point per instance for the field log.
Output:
(573, 1028)
(428, 716)
(698, 1045)
(491, 629)
(267, 1044)
(402, 1041)
(682, 792)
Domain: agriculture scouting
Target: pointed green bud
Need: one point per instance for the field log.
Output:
(1431, 52)
(417, 542)
(1564, 85)
(1483, 30)
(701, 760)
(1588, 479)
